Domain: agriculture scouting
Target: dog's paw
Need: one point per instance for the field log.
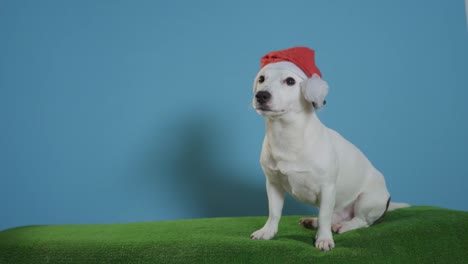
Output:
(263, 234)
(310, 223)
(325, 244)
(325, 241)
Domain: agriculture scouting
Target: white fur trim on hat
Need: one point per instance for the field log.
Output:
(286, 65)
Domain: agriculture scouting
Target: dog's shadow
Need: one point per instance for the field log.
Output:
(195, 163)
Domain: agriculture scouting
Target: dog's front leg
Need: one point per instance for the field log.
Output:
(275, 204)
(324, 239)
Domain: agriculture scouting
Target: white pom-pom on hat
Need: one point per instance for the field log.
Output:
(315, 90)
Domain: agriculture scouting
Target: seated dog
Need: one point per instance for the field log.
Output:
(311, 162)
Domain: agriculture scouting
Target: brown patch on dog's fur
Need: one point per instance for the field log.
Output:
(308, 223)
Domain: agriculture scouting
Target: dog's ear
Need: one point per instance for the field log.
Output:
(315, 90)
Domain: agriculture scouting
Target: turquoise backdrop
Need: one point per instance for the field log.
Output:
(122, 111)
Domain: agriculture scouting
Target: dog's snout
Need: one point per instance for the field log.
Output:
(263, 97)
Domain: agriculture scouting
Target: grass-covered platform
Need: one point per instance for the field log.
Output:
(409, 235)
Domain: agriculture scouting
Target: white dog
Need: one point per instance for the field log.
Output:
(311, 162)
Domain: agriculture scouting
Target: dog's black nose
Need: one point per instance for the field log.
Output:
(263, 97)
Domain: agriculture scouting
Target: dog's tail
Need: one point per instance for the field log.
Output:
(394, 206)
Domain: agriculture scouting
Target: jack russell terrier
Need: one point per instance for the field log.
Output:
(311, 162)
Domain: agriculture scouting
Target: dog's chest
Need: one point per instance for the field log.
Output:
(300, 184)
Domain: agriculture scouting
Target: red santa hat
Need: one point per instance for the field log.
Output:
(302, 57)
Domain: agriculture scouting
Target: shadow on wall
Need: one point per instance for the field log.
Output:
(195, 161)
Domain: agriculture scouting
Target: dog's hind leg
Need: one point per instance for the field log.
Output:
(368, 208)
(352, 224)
(337, 217)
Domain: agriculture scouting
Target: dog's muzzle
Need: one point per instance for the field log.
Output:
(263, 97)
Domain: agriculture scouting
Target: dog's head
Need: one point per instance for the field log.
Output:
(282, 87)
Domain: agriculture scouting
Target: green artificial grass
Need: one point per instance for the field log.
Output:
(409, 235)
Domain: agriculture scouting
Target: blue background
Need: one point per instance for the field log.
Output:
(120, 111)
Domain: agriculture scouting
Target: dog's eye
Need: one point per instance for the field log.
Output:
(261, 79)
(290, 81)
